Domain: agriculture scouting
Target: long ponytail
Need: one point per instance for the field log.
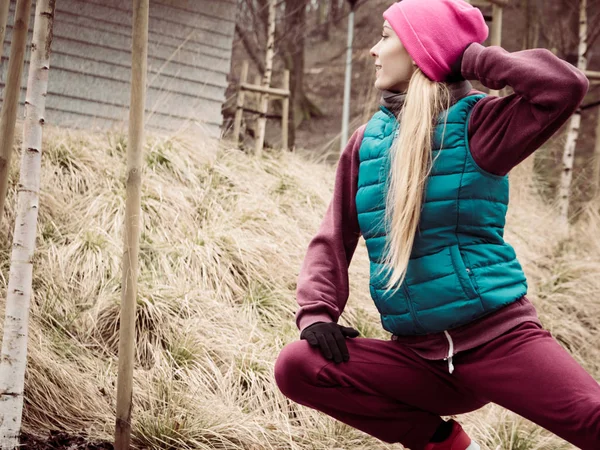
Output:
(411, 161)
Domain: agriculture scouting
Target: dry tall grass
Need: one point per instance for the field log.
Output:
(223, 238)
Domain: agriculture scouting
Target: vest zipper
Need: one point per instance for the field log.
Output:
(450, 352)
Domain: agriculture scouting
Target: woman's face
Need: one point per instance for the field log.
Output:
(393, 63)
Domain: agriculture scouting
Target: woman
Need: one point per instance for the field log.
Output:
(429, 197)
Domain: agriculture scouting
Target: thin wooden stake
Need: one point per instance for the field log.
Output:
(139, 62)
(273, 92)
(12, 92)
(4, 8)
(496, 31)
(18, 295)
(285, 111)
(266, 82)
(239, 111)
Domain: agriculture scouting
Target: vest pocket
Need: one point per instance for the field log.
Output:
(462, 272)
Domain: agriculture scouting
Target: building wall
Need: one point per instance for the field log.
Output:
(189, 57)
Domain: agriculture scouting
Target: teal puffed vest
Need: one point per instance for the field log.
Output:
(460, 268)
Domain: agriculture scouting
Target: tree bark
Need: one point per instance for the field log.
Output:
(12, 93)
(300, 106)
(574, 125)
(14, 343)
(335, 12)
(250, 48)
(295, 18)
(324, 18)
(532, 25)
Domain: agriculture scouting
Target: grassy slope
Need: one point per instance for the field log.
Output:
(223, 239)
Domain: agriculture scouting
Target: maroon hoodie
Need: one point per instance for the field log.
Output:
(503, 131)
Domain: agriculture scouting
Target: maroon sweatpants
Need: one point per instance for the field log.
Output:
(389, 392)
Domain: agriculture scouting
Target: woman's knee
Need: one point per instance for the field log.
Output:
(293, 368)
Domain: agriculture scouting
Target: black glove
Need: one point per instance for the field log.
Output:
(331, 338)
(455, 70)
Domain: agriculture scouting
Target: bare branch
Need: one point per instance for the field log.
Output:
(253, 52)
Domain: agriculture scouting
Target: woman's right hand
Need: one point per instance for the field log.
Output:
(456, 70)
(330, 338)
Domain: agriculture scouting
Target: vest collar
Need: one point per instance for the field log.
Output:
(393, 102)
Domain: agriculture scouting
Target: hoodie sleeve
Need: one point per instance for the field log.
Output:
(503, 131)
(323, 288)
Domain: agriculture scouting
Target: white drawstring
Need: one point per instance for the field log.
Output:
(450, 352)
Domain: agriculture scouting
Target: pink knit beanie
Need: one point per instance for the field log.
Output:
(436, 32)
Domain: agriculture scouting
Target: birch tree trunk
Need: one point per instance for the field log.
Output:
(14, 341)
(139, 64)
(574, 125)
(12, 93)
(266, 82)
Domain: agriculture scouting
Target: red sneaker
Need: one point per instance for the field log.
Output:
(458, 440)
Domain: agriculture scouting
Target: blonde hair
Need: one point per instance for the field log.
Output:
(411, 162)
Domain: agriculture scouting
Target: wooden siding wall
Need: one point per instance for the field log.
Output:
(189, 58)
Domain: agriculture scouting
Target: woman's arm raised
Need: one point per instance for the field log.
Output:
(503, 131)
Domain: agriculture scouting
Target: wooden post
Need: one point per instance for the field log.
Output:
(132, 223)
(257, 98)
(12, 92)
(239, 110)
(496, 33)
(4, 8)
(266, 82)
(285, 111)
(597, 158)
(254, 106)
(18, 295)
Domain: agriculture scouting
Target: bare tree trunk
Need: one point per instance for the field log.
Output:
(335, 12)
(532, 25)
(266, 82)
(300, 106)
(324, 18)
(139, 64)
(574, 124)
(14, 342)
(12, 93)
(250, 48)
